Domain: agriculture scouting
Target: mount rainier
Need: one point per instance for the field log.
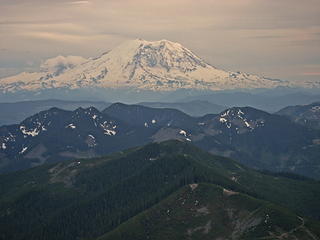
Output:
(137, 64)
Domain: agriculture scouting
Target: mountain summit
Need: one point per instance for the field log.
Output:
(159, 65)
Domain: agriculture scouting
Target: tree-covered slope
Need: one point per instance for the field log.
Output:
(87, 198)
(207, 211)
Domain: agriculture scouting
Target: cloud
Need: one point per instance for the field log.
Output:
(268, 37)
(60, 64)
(31, 22)
(79, 2)
(54, 36)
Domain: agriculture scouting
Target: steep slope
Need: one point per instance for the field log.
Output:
(16, 112)
(206, 211)
(87, 198)
(307, 115)
(139, 64)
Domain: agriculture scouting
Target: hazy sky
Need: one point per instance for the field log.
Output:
(274, 38)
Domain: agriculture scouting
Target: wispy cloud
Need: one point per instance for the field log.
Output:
(79, 2)
(33, 22)
(267, 37)
(311, 74)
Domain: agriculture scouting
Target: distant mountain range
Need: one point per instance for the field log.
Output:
(267, 100)
(307, 115)
(253, 137)
(139, 64)
(170, 190)
(16, 112)
(193, 108)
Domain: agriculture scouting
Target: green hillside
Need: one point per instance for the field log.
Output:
(206, 211)
(88, 198)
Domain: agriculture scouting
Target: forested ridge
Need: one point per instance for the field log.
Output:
(85, 199)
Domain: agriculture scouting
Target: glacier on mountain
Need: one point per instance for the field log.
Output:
(137, 64)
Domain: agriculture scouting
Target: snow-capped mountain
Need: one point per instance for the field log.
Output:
(139, 64)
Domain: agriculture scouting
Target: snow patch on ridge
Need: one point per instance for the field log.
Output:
(315, 109)
(34, 132)
(23, 150)
(109, 128)
(241, 122)
(71, 125)
(182, 132)
(4, 146)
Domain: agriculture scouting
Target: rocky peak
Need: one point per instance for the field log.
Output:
(242, 118)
